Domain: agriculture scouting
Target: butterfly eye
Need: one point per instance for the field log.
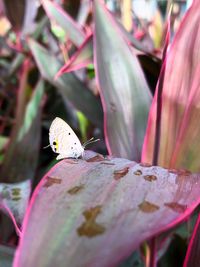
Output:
(54, 143)
(69, 133)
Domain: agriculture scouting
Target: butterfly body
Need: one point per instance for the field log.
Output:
(64, 141)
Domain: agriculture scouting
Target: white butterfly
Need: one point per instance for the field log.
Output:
(64, 141)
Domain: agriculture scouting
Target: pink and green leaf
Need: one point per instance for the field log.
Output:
(70, 87)
(80, 59)
(124, 92)
(73, 30)
(192, 257)
(14, 200)
(24, 143)
(179, 145)
(81, 208)
(6, 255)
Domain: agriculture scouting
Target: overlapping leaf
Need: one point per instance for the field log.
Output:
(80, 59)
(192, 257)
(14, 200)
(180, 131)
(24, 144)
(124, 92)
(6, 256)
(80, 209)
(72, 29)
(69, 86)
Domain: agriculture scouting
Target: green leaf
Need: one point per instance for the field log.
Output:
(14, 200)
(68, 85)
(21, 156)
(72, 29)
(125, 94)
(6, 256)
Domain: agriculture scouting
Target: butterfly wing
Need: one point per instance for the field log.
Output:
(63, 140)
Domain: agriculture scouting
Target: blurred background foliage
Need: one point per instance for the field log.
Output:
(31, 97)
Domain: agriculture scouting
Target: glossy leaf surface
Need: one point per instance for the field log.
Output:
(124, 92)
(180, 130)
(81, 208)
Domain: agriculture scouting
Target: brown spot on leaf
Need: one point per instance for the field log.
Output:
(138, 172)
(108, 163)
(16, 191)
(174, 171)
(180, 208)
(185, 172)
(96, 158)
(71, 161)
(143, 164)
(76, 189)
(150, 178)
(148, 207)
(118, 174)
(16, 198)
(180, 172)
(90, 227)
(51, 181)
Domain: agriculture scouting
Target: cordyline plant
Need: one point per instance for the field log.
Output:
(100, 210)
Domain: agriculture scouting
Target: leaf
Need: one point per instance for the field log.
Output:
(124, 92)
(69, 86)
(15, 12)
(25, 140)
(6, 256)
(192, 256)
(14, 201)
(179, 145)
(72, 29)
(133, 261)
(80, 59)
(81, 210)
(133, 41)
(30, 12)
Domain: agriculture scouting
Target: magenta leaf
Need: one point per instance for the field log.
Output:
(71, 27)
(179, 145)
(80, 59)
(192, 257)
(80, 209)
(124, 92)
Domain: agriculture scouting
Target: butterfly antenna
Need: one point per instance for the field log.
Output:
(46, 146)
(90, 141)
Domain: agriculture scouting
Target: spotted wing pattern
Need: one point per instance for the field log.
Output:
(63, 140)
